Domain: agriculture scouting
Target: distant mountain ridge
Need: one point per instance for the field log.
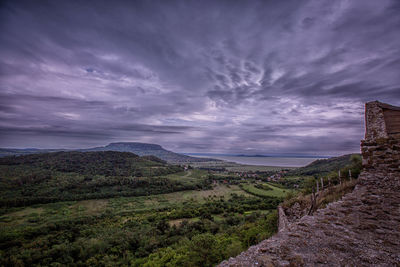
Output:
(5, 152)
(141, 149)
(145, 149)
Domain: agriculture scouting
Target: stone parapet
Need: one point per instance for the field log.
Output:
(381, 147)
(381, 155)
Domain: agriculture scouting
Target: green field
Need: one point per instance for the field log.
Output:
(188, 177)
(277, 191)
(235, 167)
(138, 231)
(117, 206)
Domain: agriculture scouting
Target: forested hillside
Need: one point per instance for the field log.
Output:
(140, 149)
(324, 166)
(49, 177)
(4, 152)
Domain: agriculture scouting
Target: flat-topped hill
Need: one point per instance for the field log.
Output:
(144, 149)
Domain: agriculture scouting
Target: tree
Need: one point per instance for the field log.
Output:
(203, 249)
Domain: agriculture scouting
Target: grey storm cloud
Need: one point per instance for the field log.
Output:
(196, 76)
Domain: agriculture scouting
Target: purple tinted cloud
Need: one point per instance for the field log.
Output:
(196, 76)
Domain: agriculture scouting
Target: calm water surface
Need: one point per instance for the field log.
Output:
(265, 161)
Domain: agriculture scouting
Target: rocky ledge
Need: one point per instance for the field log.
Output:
(362, 229)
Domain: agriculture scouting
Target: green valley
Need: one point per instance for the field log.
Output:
(108, 208)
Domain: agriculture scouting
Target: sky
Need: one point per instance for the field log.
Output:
(286, 77)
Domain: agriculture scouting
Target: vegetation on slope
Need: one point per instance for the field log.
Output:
(300, 203)
(330, 194)
(50, 177)
(141, 149)
(5, 152)
(322, 167)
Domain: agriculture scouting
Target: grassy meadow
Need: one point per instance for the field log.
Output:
(265, 190)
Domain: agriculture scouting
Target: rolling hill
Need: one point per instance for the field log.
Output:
(5, 152)
(324, 166)
(141, 149)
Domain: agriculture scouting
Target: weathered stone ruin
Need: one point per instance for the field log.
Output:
(381, 147)
(363, 228)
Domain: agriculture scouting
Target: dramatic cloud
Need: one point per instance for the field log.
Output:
(196, 76)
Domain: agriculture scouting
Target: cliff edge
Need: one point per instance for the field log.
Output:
(363, 228)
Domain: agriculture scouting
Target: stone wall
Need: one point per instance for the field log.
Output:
(381, 147)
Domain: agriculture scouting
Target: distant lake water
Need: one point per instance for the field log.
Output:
(264, 161)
